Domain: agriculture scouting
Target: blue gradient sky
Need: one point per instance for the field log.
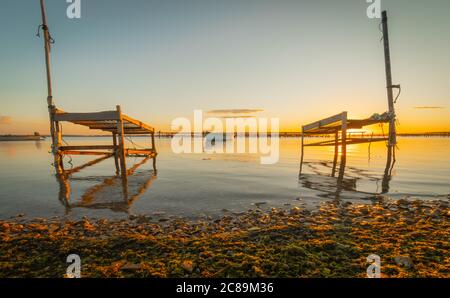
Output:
(297, 60)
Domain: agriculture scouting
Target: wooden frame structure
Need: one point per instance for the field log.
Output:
(338, 125)
(114, 122)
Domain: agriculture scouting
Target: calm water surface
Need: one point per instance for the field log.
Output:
(205, 184)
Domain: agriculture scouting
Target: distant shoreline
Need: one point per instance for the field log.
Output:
(281, 134)
(7, 138)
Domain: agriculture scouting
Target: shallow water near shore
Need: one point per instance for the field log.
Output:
(192, 185)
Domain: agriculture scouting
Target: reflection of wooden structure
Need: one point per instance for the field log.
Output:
(338, 125)
(117, 187)
(114, 122)
(332, 187)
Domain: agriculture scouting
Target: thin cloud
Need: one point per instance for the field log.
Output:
(236, 116)
(235, 111)
(428, 107)
(5, 120)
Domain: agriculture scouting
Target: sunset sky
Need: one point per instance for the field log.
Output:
(296, 60)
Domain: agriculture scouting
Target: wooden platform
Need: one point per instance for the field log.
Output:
(106, 121)
(114, 122)
(337, 126)
(335, 123)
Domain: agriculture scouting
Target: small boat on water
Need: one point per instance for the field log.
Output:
(35, 137)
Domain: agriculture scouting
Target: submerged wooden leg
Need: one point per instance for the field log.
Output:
(343, 146)
(387, 170)
(116, 153)
(121, 148)
(336, 153)
(125, 191)
(302, 153)
(155, 171)
(58, 163)
(153, 142)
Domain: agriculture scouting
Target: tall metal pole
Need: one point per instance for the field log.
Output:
(47, 51)
(54, 129)
(387, 58)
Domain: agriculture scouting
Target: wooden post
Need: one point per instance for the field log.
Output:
(64, 189)
(155, 171)
(121, 149)
(116, 153)
(302, 153)
(336, 152)
(57, 143)
(387, 58)
(387, 176)
(153, 141)
(125, 190)
(343, 146)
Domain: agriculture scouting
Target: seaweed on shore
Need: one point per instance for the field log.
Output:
(411, 238)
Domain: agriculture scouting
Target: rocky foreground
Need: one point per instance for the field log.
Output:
(411, 238)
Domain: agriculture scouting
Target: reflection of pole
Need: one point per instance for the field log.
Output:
(155, 171)
(336, 152)
(387, 58)
(116, 153)
(302, 152)
(343, 146)
(125, 187)
(64, 184)
(121, 150)
(390, 161)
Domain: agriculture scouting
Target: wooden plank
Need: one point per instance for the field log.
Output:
(323, 122)
(350, 141)
(360, 123)
(99, 125)
(129, 131)
(137, 123)
(320, 127)
(96, 122)
(83, 152)
(139, 151)
(97, 116)
(88, 147)
(136, 132)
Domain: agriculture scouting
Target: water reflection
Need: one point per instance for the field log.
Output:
(38, 144)
(193, 184)
(116, 193)
(333, 187)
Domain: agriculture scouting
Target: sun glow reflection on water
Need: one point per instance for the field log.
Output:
(199, 184)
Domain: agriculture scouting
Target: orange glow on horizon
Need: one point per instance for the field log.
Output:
(27, 128)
